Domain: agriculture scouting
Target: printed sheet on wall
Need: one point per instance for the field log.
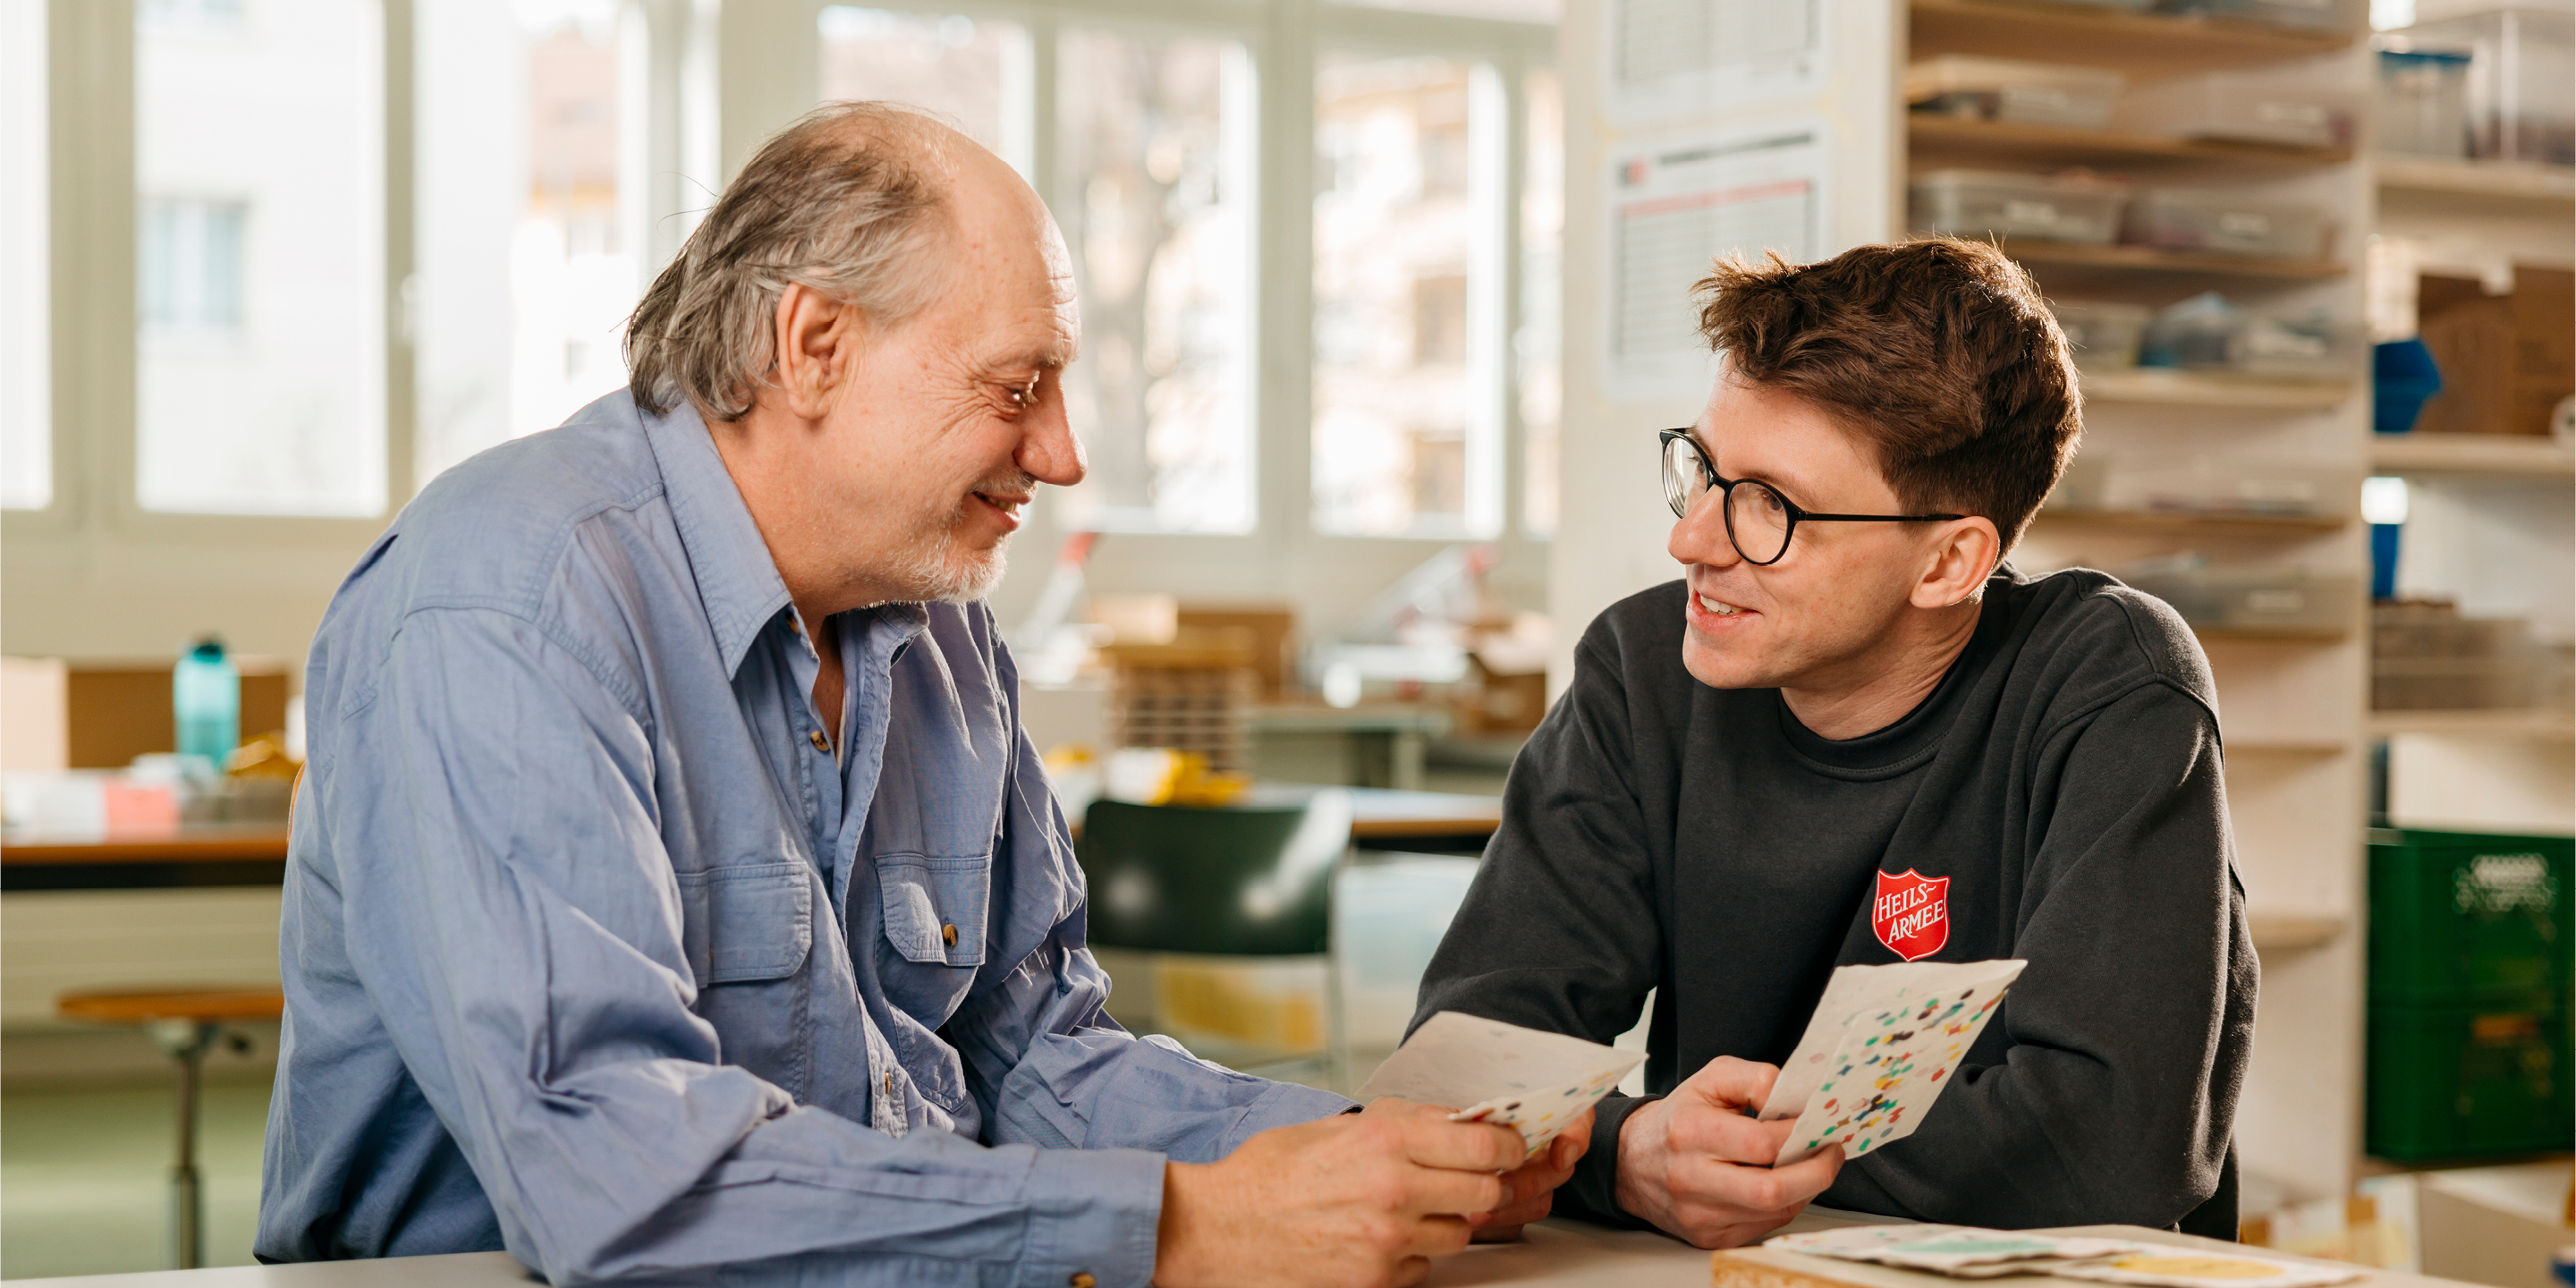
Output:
(1676, 204)
(1670, 60)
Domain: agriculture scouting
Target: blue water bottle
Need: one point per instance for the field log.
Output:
(205, 699)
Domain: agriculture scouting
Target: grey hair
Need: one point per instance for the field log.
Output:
(846, 201)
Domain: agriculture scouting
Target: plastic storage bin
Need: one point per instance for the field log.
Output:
(2104, 337)
(2461, 1082)
(1979, 203)
(2521, 64)
(2244, 106)
(2426, 657)
(2210, 332)
(2230, 487)
(2004, 89)
(2421, 102)
(2250, 601)
(2465, 919)
(2219, 220)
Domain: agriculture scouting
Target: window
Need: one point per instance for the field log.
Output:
(259, 170)
(529, 222)
(26, 330)
(1408, 413)
(1154, 191)
(973, 72)
(1538, 343)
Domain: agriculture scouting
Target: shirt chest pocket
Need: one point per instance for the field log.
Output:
(934, 908)
(747, 922)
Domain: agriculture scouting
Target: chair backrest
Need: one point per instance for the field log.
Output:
(1249, 880)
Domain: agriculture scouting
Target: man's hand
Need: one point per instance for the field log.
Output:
(1361, 1199)
(1530, 1189)
(1694, 1164)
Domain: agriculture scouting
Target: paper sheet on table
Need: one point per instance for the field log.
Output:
(1879, 1049)
(1960, 1251)
(1532, 1081)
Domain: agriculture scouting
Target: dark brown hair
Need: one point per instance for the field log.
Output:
(1938, 352)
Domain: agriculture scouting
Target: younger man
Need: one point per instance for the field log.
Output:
(1850, 696)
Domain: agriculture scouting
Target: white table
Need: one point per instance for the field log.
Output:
(1553, 1254)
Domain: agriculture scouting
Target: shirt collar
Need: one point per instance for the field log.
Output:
(737, 580)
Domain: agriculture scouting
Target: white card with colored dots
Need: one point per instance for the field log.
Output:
(1527, 1079)
(1880, 1049)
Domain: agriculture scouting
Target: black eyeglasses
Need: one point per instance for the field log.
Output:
(1759, 520)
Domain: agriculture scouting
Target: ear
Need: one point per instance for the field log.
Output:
(1963, 554)
(816, 341)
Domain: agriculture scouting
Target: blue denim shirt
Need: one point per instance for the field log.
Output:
(594, 950)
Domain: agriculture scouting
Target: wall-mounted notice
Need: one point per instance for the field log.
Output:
(1677, 205)
(1670, 59)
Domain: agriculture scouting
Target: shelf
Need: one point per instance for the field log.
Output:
(2214, 525)
(2051, 145)
(2318, 748)
(2558, 726)
(2293, 932)
(2243, 635)
(2502, 186)
(2197, 389)
(2511, 454)
(2154, 259)
(2146, 47)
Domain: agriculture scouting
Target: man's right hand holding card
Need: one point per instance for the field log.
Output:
(1698, 1164)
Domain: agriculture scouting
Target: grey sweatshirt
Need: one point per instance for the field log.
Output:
(2064, 777)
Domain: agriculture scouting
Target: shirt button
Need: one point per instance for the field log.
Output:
(948, 935)
(1082, 1279)
(820, 742)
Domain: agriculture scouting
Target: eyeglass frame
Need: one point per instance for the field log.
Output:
(1725, 487)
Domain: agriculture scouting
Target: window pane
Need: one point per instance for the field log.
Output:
(527, 259)
(259, 174)
(1408, 335)
(1541, 337)
(26, 363)
(1154, 191)
(974, 72)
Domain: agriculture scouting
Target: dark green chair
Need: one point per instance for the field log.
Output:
(1242, 881)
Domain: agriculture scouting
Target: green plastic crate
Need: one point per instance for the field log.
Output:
(2460, 918)
(2463, 1082)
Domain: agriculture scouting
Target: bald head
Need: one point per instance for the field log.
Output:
(868, 203)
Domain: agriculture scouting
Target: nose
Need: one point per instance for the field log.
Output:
(1049, 452)
(1699, 537)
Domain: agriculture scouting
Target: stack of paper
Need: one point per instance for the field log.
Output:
(1529, 1080)
(1965, 1252)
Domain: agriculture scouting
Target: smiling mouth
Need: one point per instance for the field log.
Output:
(1717, 608)
(1009, 505)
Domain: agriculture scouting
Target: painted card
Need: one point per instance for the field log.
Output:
(1890, 1066)
(1530, 1080)
(2183, 1268)
(1853, 990)
(1961, 1251)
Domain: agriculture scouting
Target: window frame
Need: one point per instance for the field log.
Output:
(94, 240)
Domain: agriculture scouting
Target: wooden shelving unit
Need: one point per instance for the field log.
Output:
(2155, 387)
(2194, 525)
(2053, 146)
(2503, 187)
(2526, 455)
(2292, 932)
(2546, 726)
(2156, 259)
(2144, 46)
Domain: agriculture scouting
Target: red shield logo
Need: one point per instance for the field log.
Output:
(1911, 914)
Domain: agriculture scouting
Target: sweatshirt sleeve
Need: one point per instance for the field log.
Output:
(1561, 929)
(2116, 1099)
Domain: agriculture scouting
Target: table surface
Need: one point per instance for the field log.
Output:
(1553, 1254)
(1378, 814)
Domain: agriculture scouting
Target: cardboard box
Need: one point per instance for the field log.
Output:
(115, 710)
(2506, 360)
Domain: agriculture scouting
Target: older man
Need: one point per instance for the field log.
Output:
(1849, 708)
(674, 887)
